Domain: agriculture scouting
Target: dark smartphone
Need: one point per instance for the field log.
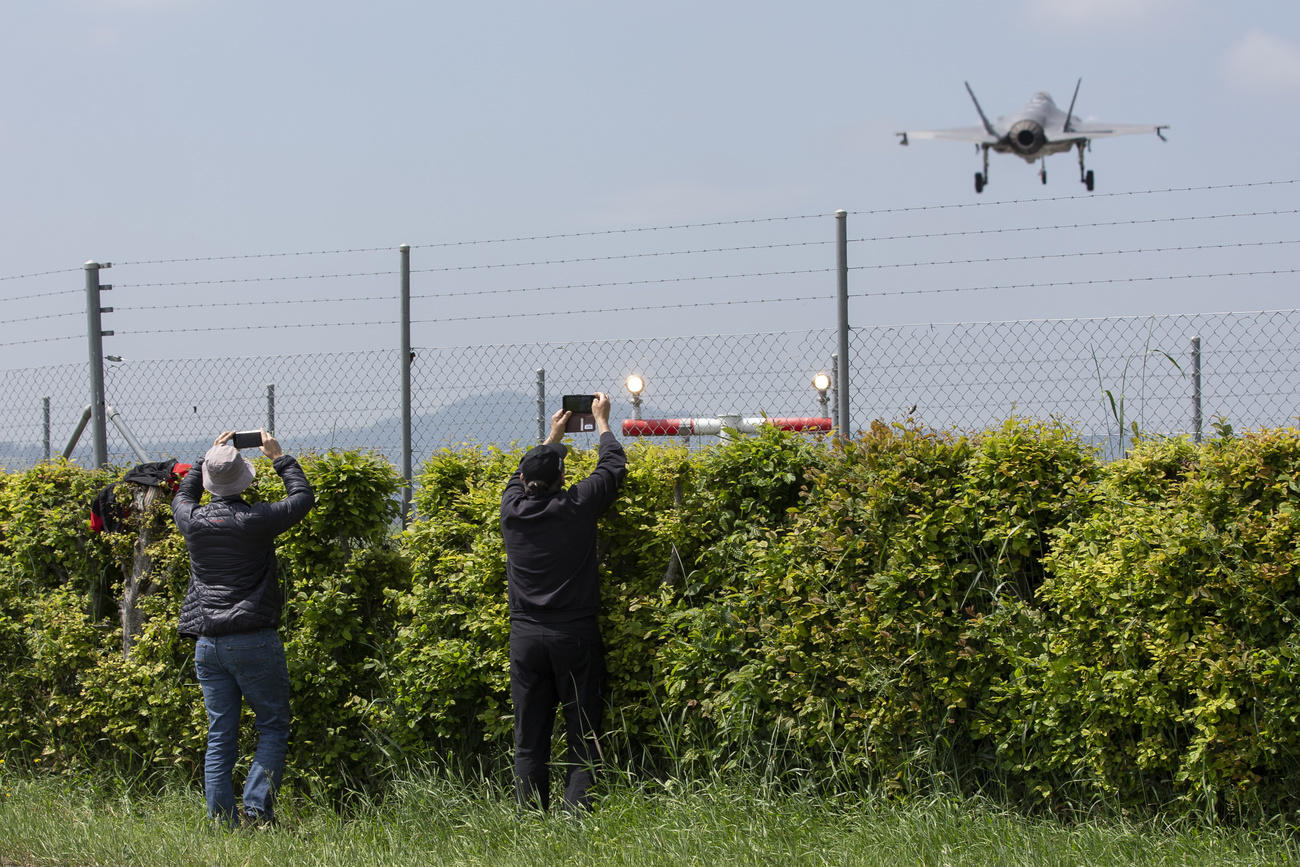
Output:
(577, 402)
(247, 439)
(579, 405)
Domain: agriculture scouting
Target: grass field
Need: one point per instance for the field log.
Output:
(432, 820)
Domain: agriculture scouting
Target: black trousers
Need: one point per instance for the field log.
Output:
(556, 665)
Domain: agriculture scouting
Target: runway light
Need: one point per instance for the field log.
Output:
(635, 384)
(821, 382)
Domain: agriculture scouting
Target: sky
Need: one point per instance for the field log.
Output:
(226, 155)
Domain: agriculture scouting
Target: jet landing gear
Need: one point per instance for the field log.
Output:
(982, 178)
(1085, 176)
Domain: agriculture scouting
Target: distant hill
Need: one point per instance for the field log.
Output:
(502, 418)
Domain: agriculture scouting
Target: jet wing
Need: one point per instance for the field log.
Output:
(976, 134)
(1104, 130)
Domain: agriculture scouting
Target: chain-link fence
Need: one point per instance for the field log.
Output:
(1099, 375)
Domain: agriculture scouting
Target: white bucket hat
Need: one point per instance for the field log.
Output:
(225, 473)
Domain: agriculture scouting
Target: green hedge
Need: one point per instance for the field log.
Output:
(906, 610)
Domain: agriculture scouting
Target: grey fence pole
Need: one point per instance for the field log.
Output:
(842, 322)
(76, 434)
(95, 336)
(45, 403)
(541, 404)
(406, 381)
(835, 391)
(1196, 389)
(125, 431)
(270, 408)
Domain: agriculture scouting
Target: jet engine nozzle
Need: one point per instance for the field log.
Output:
(1026, 137)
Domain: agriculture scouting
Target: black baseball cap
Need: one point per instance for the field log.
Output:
(544, 463)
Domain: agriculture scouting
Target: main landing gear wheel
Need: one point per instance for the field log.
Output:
(1085, 175)
(1043, 175)
(979, 182)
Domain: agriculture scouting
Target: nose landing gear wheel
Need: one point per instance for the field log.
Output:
(979, 182)
(1087, 180)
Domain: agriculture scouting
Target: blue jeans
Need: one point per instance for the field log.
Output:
(249, 666)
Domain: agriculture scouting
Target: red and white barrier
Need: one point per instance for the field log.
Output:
(687, 427)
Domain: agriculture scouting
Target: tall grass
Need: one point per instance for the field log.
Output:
(430, 818)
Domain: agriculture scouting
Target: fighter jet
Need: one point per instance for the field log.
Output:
(1037, 130)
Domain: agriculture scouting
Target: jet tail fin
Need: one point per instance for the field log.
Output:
(1070, 113)
(988, 127)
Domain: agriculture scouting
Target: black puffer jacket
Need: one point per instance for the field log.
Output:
(234, 580)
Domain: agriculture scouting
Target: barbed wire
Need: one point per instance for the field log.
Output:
(275, 278)
(666, 280)
(990, 260)
(680, 226)
(958, 233)
(31, 340)
(623, 257)
(1066, 283)
(694, 305)
(1076, 197)
(743, 248)
(485, 292)
(479, 242)
(49, 294)
(40, 317)
(276, 255)
(39, 274)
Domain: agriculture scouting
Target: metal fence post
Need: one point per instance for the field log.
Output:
(95, 337)
(1196, 389)
(842, 321)
(270, 408)
(405, 250)
(541, 405)
(46, 426)
(835, 391)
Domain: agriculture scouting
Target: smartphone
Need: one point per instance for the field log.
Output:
(247, 439)
(579, 408)
(577, 402)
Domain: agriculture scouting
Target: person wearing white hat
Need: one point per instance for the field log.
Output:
(232, 610)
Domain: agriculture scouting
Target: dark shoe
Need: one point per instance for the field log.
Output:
(255, 820)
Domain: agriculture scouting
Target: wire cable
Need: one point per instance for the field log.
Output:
(729, 302)
(39, 274)
(744, 248)
(750, 275)
(39, 318)
(677, 226)
(959, 233)
(31, 340)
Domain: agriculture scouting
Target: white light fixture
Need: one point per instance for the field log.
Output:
(821, 382)
(635, 384)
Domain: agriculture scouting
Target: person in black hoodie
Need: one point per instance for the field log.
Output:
(231, 609)
(556, 653)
